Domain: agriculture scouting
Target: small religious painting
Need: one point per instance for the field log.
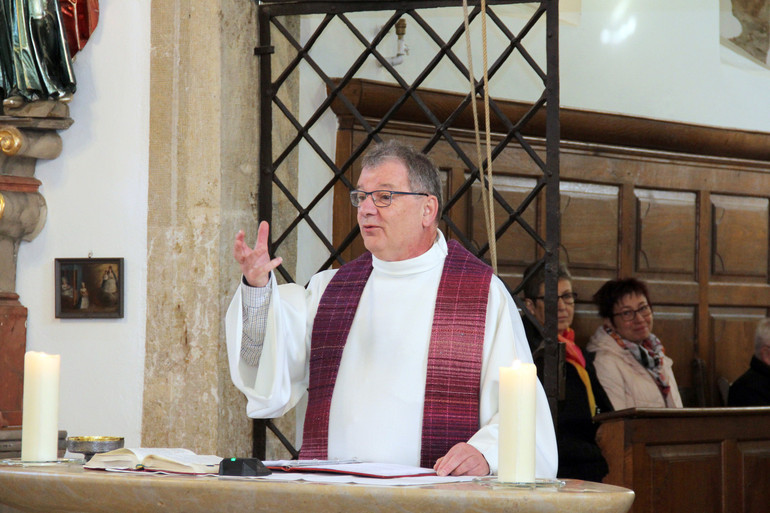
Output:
(89, 288)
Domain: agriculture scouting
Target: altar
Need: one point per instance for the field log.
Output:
(70, 488)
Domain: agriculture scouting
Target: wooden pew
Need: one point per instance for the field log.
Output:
(700, 460)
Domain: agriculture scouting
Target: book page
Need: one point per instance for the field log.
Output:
(171, 459)
(351, 467)
(183, 462)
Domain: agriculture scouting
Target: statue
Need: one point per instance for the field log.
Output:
(754, 17)
(35, 62)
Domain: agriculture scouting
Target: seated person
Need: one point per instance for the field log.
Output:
(753, 387)
(630, 361)
(579, 455)
(399, 350)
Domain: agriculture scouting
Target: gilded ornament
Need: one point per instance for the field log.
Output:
(11, 140)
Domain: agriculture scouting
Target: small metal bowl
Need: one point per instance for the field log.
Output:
(90, 445)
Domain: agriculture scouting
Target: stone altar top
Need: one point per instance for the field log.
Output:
(68, 487)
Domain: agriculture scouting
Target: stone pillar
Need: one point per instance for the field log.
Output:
(202, 183)
(27, 133)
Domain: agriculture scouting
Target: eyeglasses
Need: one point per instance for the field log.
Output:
(568, 297)
(380, 198)
(630, 315)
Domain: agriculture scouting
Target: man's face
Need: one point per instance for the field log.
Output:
(403, 230)
(565, 311)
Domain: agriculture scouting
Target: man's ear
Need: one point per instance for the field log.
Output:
(430, 211)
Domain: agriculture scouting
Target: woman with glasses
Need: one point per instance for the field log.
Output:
(579, 455)
(630, 360)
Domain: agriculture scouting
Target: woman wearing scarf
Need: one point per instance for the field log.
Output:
(579, 455)
(630, 361)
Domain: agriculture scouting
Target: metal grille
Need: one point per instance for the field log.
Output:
(278, 173)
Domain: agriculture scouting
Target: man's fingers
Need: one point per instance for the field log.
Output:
(462, 459)
(262, 235)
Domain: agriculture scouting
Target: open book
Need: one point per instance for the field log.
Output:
(350, 467)
(182, 461)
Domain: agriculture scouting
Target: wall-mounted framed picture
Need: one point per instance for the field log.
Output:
(89, 288)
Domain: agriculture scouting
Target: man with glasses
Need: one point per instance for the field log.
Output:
(424, 326)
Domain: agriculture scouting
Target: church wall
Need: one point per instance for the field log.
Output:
(96, 193)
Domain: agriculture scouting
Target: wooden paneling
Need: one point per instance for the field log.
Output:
(732, 332)
(691, 460)
(683, 207)
(657, 234)
(671, 469)
(514, 247)
(739, 234)
(755, 471)
(589, 225)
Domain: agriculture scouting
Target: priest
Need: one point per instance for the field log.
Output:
(399, 350)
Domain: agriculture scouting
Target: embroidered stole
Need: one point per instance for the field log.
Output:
(452, 387)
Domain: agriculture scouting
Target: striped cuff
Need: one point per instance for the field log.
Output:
(255, 304)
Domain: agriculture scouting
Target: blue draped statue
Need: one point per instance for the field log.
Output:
(35, 62)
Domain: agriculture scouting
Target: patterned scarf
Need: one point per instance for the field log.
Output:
(575, 357)
(649, 353)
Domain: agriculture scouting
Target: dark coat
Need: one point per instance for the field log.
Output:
(579, 454)
(753, 387)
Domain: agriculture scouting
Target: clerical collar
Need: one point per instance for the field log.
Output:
(428, 260)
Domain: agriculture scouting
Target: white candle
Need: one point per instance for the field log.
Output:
(40, 407)
(516, 442)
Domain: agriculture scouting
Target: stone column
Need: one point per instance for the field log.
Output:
(202, 182)
(27, 133)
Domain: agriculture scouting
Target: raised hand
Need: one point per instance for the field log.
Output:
(256, 263)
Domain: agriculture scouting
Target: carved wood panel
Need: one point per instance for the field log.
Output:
(739, 236)
(672, 468)
(755, 472)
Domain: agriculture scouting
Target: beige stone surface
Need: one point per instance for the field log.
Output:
(70, 488)
(201, 187)
(204, 141)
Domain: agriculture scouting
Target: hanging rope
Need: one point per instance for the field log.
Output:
(487, 196)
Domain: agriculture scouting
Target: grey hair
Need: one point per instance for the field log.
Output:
(532, 286)
(762, 335)
(422, 173)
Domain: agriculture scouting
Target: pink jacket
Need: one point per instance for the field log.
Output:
(627, 383)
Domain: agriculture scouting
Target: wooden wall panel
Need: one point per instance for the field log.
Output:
(515, 247)
(589, 225)
(739, 236)
(672, 468)
(755, 469)
(657, 234)
(677, 325)
(732, 332)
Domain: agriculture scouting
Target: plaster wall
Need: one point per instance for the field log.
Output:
(96, 192)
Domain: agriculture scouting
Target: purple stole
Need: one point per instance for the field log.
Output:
(451, 410)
